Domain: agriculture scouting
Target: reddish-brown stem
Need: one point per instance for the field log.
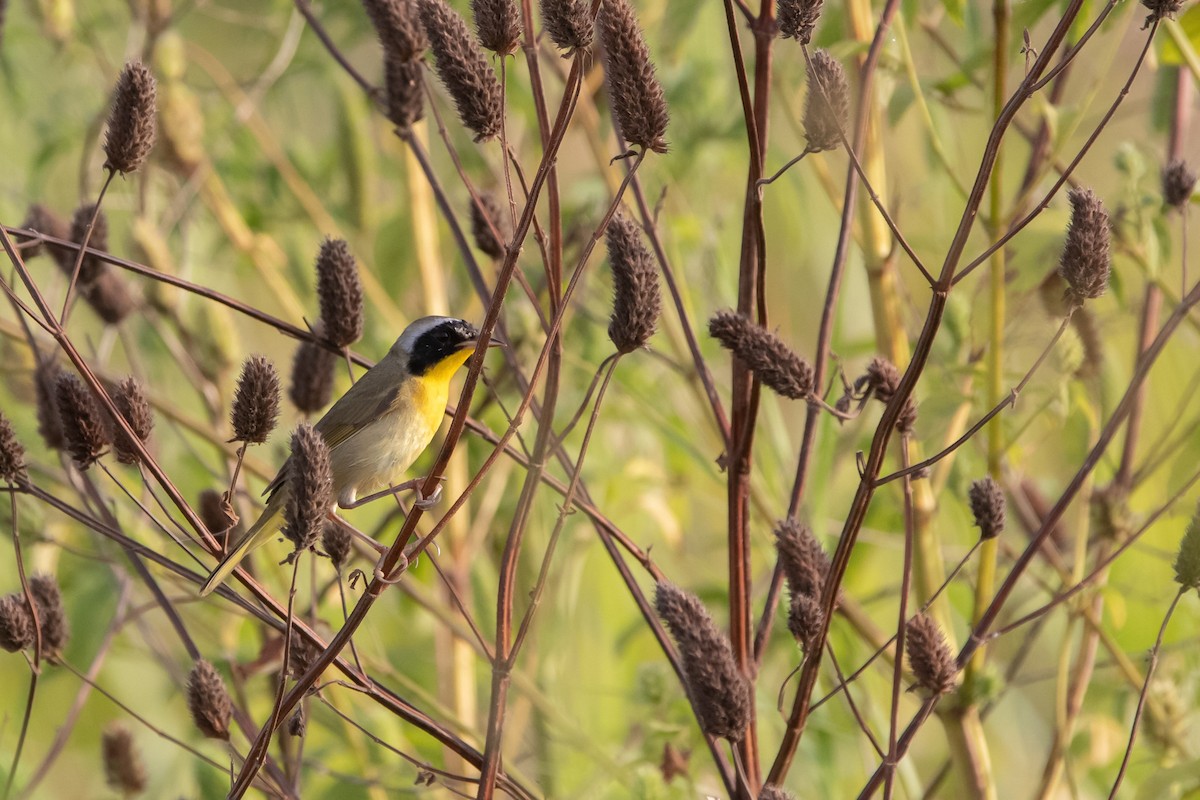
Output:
(902, 618)
(87, 236)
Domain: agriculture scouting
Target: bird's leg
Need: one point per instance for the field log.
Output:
(415, 483)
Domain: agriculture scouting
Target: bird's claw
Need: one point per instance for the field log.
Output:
(425, 503)
(399, 571)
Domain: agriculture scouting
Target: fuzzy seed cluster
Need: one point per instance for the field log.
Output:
(767, 356)
(130, 399)
(310, 488)
(340, 292)
(827, 104)
(568, 23)
(131, 122)
(483, 211)
(639, 105)
(498, 25)
(12, 455)
(208, 701)
(255, 401)
(929, 656)
(987, 506)
(797, 18)
(85, 428)
(637, 301)
(463, 69)
(1084, 263)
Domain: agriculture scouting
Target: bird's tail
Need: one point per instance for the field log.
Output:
(261, 531)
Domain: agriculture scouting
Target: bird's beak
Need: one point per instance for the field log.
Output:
(494, 342)
(497, 342)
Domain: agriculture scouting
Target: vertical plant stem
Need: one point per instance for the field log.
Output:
(902, 619)
(79, 256)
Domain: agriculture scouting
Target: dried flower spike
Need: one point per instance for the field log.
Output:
(797, 18)
(85, 430)
(1084, 264)
(463, 69)
(482, 211)
(1187, 560)
(16, 625)
(108, 296)
(43, 220)
(208, 700)
(1178, 181)
(130, 134)
(12, 455)
(312, 376)
(404, 91)
(802, 559)
(131, 401)
(123, 767)
(722, 693)
(805, 618)
(91, 267)
(636, 299)
(987, 505)
(882, 378)
(1161, 9)
(52, 617)
(929, 656)
(569, 23)
(310, 488)
(297, 723)
(45, 385)
(772, 361)
(827, 105)
(335, 541)
(498, 25)
(255, 401)
(340, 293)
(400, 34)
(772, 792)
(638, 104)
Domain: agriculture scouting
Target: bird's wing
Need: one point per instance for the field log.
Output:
(348, 423)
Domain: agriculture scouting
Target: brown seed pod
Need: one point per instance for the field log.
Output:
(464, 70)
(130, 400)
(312, 376)
(797, 18)
(569, 24)
(340, 293)
(1187, 560)
(52, 617)
(929, 656)
(109, 297)
(400, 32)
(45, 385)
(310, 488)
(723, 694)
(208, 700)
(639, 106)
(637, 302)
(16, 624)
(123, 767)
(12, 455)
(802, 558)
(131, 129)
(1178, 181)
(335, 541)
(827, 105)
(43, 220)
(404, 91)
(498, 25)
(987, 505)
(91, 267)
(255, 401)
(767, 356)
(85, 429)
(482, 211)
(1084, 263)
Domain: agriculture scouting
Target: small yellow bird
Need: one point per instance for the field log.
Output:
(378, 427)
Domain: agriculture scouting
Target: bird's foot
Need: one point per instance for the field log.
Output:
(425, 503)
(399, 571)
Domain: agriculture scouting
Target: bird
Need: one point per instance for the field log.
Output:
(378, 428)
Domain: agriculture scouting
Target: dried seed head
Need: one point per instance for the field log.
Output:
(498, 25)
(131, 401)
(43, 220)
(404, 91)
(639, 107)
(802, 559)
(255, 401)
(215, 511)
(463, 69)
(1084, 264)
(312, 376)
(109, 296)
(91, 267)
(301, 655)
(335, 541)
(805, 618)
(1160, 9)
(400, 34)
(86, 431)
(722, 693)
(123, 767)
(772, 361)
(12, 455)
(1178, 181)
(16, 625)
(340, 292)
(929, 656)
(908, 417)
(484, 210)
(827, 105)
(52, 618)
(45, 385)
(797, 18)
(569, 23)
(130, 133)
(987, 505)
(310, 488)
(636, 299)
(208, 700)
(882, 378)
(772, 792)
(297, 723)
(1187, 560)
